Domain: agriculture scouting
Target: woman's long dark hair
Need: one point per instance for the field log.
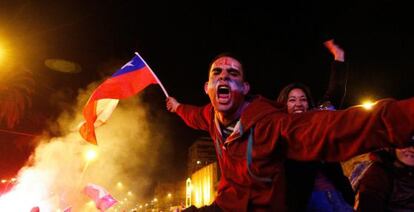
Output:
(284, 94)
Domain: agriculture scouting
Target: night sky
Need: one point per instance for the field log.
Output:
(280, 42)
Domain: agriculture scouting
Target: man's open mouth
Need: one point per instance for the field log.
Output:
(223, 94)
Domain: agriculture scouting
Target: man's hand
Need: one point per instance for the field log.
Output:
(172, 104)
(338, 53)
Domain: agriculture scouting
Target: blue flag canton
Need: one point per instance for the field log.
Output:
(133, 65)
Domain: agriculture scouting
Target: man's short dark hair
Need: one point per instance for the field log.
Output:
(232, 55)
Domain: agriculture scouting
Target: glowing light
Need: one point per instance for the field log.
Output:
(367, 104)
(3, 181)
(90, 204)
(26, 195)
(2, 53)
(129, 193)
(188, 190)
(169, 195)
(198, 162)
(202, 185)
(119, 185)
(90, 155)
(155, 200)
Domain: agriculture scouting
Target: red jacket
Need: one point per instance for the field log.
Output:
(251, 160)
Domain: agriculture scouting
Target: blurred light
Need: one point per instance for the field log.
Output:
(202, 186)
(198, 162)
(169, 195)
(2, 53)
(129, 193)
(3, 181)
(155, 199)
(367, 104)
(64, 66)
(188, 189)
(90, 204)
(90, 155)
(119, 185)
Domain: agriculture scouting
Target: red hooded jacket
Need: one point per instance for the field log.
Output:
(251, 159)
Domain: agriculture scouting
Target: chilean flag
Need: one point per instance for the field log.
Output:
(103, 200)
(133, 77)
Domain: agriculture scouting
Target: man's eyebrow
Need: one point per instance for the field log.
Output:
(233, 69)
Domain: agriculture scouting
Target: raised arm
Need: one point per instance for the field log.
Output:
(335, 94)
(336, 51)
(172, 104)
(194, 116)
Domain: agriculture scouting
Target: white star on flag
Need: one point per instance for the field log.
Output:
(128, 64)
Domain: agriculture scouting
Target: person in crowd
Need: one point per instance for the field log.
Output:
(317, 185)
(253, 136)
(388, 183)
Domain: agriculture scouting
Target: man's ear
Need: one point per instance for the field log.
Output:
(246, 88)
(206, 87)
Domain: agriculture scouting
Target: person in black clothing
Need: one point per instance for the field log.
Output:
(388, 183)
(318, 186)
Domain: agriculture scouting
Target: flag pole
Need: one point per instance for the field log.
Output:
(156, 78)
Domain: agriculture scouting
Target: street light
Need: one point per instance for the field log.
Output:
(119, 185)
(169, 196)
(8, 182)
(90, 155)
(367, 104)
(2, 53)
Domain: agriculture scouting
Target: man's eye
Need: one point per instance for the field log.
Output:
(234, 72)
(216, 71)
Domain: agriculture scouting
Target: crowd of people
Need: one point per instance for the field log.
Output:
(285, 154)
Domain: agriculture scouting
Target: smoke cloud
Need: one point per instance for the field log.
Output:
(126, 157)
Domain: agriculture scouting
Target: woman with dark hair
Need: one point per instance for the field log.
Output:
(317, 186)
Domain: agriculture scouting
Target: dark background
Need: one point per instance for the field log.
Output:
(279, 41)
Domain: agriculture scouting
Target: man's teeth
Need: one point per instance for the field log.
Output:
(222, 89)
